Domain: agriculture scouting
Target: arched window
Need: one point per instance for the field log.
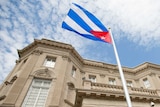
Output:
(37, 94)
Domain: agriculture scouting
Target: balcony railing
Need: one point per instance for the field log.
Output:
(142, 91)
(106, 87)
(118, 89)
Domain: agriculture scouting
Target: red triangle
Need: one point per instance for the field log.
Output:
(105, 36)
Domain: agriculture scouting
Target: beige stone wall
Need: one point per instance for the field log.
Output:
(63, 88)
(114, 103)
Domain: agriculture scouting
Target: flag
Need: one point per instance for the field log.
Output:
(84, 23)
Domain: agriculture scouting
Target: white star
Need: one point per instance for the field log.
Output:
(103, 38)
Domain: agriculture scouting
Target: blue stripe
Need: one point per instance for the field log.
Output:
(66, 26)
(74, 16)
(93, 18)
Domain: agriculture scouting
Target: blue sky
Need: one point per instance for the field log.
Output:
(134, 23)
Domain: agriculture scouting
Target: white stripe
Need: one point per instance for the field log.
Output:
(85, 18)
(75, 26)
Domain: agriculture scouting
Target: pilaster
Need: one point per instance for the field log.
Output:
(62, 62)
(15, 90)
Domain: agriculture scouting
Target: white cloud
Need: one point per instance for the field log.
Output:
(138, 18)
(22, 21)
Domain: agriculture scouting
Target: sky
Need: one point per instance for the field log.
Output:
(135, 27)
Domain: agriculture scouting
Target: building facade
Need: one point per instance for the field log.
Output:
(53, 74)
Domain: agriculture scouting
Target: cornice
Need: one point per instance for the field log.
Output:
(50, 43)
(143, 67)
(44, 42)
(85, 62)
(99, 64)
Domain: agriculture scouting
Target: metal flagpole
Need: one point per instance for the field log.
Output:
(121, 72)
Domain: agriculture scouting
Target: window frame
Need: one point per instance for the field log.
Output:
(112, 81)
(49, 62)
(92, 78)
(129, 83)
(73, 72)
(146, 83)
(37, 92)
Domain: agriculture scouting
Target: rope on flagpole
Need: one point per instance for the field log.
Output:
(121, 72)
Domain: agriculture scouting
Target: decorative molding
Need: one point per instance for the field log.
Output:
(111, 71)
(7, 82)
(65, 57)
(102, 75)
(82, 72)
(13, 79)
(71, 85)
(44, 73)
(47, 42)
(37, 52)
(152, 74)
(113, 92)
(2, 97)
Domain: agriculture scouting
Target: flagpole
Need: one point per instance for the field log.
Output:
(121, 72)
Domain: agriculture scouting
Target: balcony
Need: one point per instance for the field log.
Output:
(95, 90)
(115, 89)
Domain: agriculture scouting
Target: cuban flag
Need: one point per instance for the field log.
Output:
(84, 23)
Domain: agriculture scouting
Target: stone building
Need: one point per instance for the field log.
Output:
(53, 74)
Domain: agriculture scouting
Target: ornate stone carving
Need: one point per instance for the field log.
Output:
(152, 74)
(45, 73)
(13, 79)
(37, 52)
(65, 57)
(70, 85)
(102, 75)
(111, 71)
(7, 82)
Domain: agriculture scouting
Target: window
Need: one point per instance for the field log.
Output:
(129, 84)
(112, 81)
(92, 78)
(37, 94)
(146, 83)
(73, 72)
(50, 62)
